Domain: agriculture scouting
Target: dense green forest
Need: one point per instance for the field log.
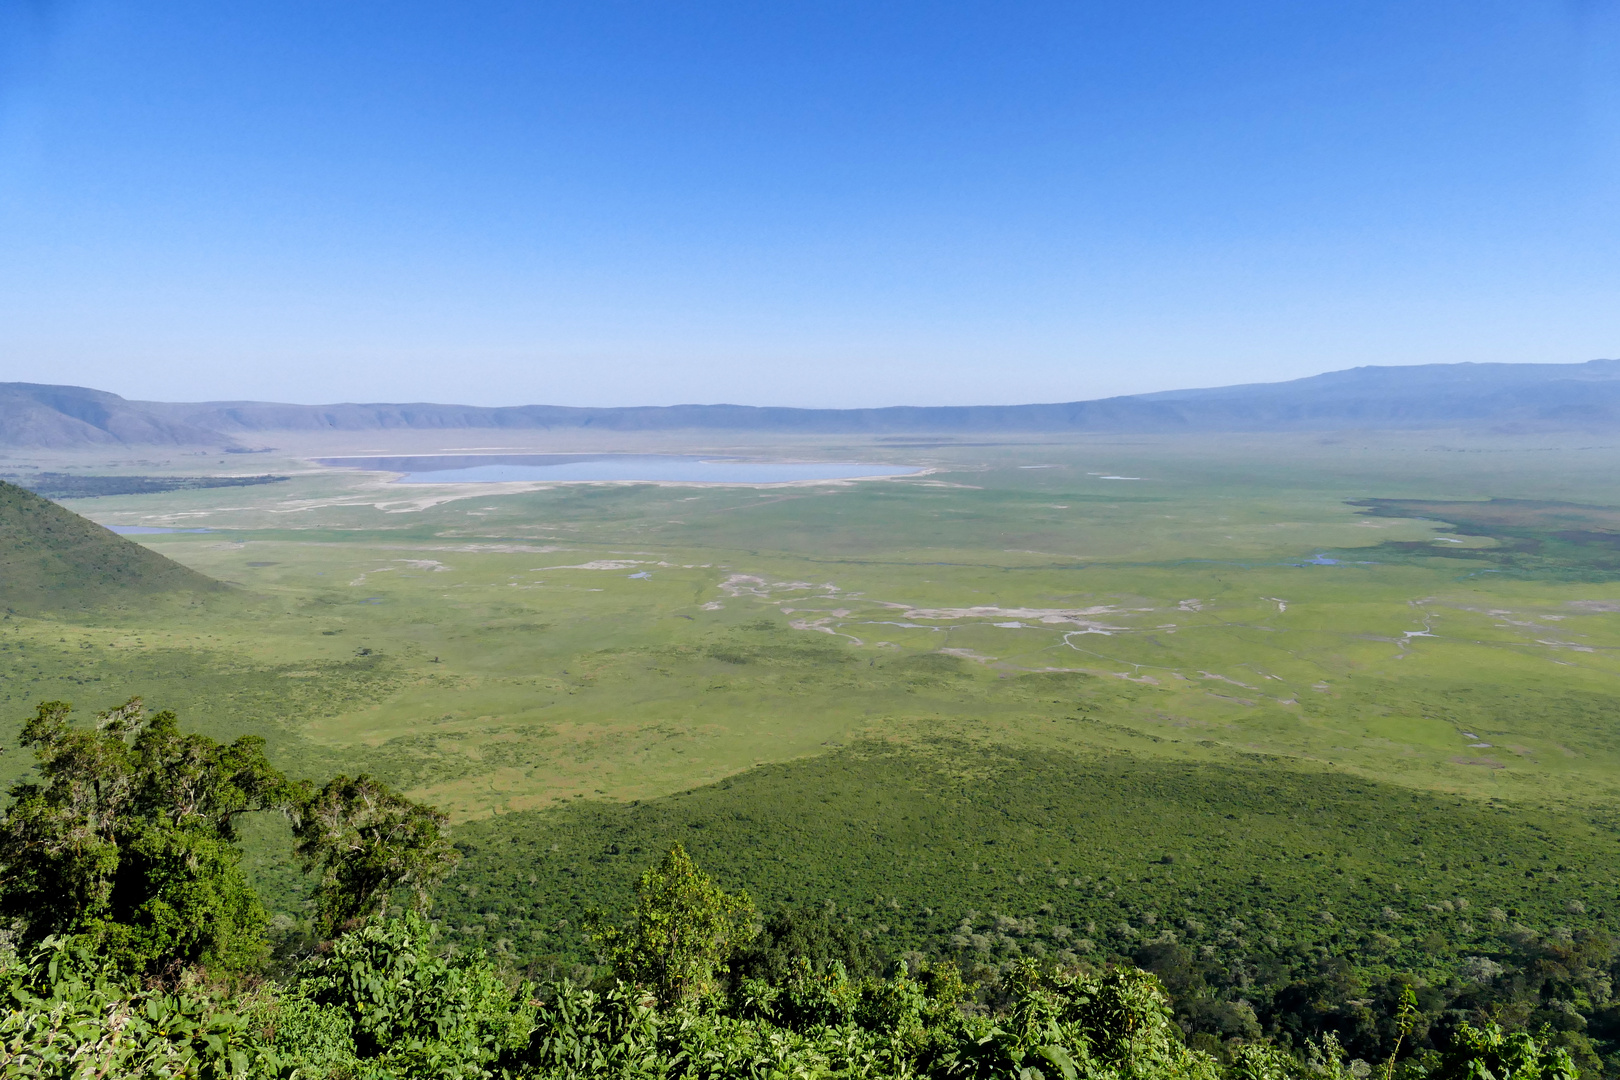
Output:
(136, 945)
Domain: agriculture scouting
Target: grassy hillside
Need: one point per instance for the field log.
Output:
(51, 559)
(1268, 898)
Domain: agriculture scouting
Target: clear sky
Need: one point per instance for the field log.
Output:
(801, 203)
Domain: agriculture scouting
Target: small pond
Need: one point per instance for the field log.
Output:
(579, 468)
(146, 530)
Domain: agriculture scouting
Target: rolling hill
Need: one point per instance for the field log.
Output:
(51, 559)
(1502, 397)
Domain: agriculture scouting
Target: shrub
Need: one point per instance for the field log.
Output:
(1478, 1053)
(683, 935)
(384, 996)
(68, 1014)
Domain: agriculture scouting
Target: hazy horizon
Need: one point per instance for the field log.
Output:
(629, 404)
(807, 205)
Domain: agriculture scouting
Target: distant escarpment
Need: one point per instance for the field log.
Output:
(1499, 397)
(43, 417)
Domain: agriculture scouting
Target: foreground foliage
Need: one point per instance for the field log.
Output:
(384, 1003)
(127, 842)
(136, 949)
(127, 838)
(66, 1014)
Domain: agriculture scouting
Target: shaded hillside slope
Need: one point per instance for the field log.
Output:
(1577, 397)
(51, 559)
(924, 847)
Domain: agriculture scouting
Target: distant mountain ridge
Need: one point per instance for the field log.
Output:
(63, 417)
(1497, 396)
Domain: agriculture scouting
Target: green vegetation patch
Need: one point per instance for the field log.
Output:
(1532, 538)
(56, 485)
(986, 854)
(226, 695)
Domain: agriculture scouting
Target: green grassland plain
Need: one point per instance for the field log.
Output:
(568, 668)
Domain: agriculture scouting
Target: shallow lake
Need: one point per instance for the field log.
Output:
(646, 468)
(146, 530)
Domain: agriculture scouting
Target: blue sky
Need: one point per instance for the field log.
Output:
(823, 204)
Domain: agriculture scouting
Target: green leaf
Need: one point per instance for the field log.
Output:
(1060, 1059)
